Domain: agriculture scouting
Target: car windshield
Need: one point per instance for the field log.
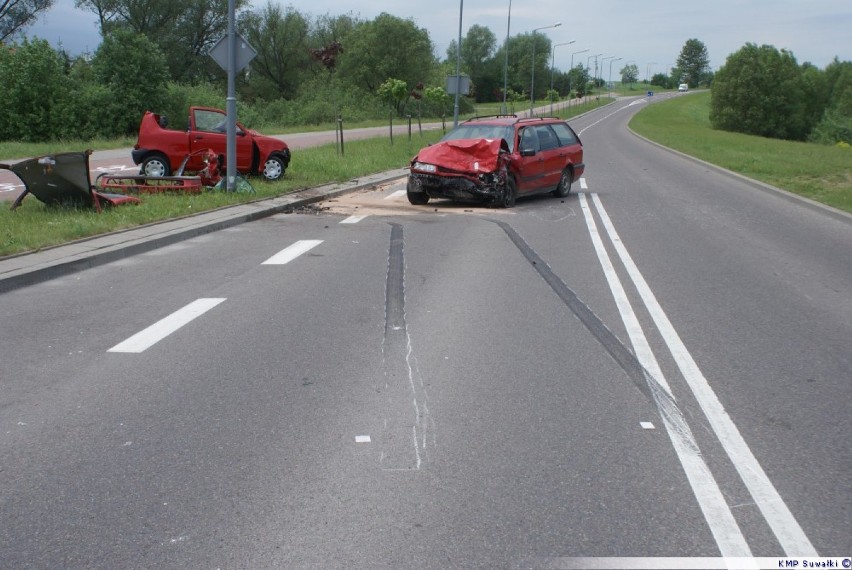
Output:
(478, 131)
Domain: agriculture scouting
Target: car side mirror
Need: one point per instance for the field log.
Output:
(527, 152)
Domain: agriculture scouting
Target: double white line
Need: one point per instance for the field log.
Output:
(722, 523)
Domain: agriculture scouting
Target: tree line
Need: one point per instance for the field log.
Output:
(311, 69)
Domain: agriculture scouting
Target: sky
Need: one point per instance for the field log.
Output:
(647, 33)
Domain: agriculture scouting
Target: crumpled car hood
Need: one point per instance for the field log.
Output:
(465, 155)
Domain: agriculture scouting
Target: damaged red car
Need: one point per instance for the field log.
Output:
(495, 160)
(160, 150)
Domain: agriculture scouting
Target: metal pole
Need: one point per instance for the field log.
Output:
(552, 60)
(458, 67)
(231, 103)
(506, 62)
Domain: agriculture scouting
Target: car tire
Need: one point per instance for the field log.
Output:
(416, 198)
(273, 168)
(564, 186)
(510, 194)
(155, 165)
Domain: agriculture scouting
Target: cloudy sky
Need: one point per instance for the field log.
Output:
(649, 33)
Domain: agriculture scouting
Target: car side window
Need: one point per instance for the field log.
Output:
(546, 138)
(565, 133)
(210, 121)
(529, 139)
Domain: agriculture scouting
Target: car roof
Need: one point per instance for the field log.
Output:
(509, 120)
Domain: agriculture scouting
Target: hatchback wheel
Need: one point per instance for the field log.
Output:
(155, 165)
(273, 168)
(564, 186)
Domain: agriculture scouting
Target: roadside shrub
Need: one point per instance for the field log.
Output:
(33, 85)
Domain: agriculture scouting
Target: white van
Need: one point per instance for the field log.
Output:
(683, 87)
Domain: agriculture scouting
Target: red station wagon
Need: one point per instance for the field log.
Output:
(495, 160)
(159, 150)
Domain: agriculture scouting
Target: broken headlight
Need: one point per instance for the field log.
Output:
(424, 167)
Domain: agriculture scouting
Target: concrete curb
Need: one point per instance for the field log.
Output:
(31, 268)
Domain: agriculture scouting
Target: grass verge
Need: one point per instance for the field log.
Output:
(819, 172)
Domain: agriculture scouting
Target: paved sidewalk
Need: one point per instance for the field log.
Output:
(27, 269)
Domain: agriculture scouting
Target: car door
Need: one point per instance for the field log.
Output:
(209, 131)
(530, 166)
(550, 154)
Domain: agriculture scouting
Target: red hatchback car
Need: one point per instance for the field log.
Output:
(497, 159)
(160, 150)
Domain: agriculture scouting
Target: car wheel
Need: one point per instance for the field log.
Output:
(273, 168)
(564, 186)
(416, 198)
(155, 165)
(510, 193)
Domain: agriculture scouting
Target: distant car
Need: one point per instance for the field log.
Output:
(683, 87)
(159, 150)
(497, 159)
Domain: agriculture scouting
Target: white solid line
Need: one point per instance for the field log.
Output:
(290, 253)
(775, 511)
(164, 327)
(397, 194)
(583, 184)
(353, 219)
(720, 519)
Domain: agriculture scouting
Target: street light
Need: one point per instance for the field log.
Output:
(552, 58)
(458, 68)
(506, 62)
(569, 73)
(532, 84)
(609, 81)
(648, 71)
(603, 59)
(589, 59)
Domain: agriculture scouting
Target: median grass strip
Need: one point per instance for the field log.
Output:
(819, 172)
(35, 226)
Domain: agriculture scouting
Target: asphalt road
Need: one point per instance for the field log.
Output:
(656, 366)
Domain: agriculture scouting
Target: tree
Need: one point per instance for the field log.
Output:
(16, 15)
(32, 82)
(395, 93)
(629, 74)
(184, 30)
(119, 62)
(760, 91)
(281, 40)
(477, 59)
(387, 46)
(693, 62)
(660, 80)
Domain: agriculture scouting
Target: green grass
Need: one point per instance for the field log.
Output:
(819, 172)
(35, 226)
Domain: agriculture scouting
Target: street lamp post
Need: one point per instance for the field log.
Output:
(648, 71)
(552, 59)
(609, 81)
(458, 68)
(603, 59)
(532, 84)
(506, 62)
(588, 63)
(569, 73)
